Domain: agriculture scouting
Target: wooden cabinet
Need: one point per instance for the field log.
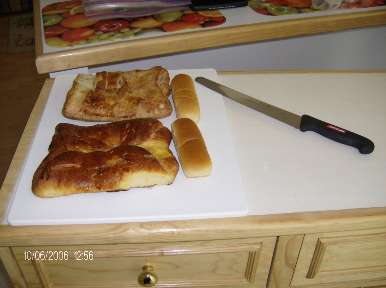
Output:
(330, 259)
(342, 259)
(220, 263)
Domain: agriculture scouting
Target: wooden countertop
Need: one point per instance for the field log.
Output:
(273, 27)
(292, 223)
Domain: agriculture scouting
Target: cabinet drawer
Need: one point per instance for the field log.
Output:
(331, 258)
(241, 263)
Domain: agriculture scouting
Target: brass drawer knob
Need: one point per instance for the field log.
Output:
(147, 278)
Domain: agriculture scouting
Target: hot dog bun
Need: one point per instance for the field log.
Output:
(185, 97)
(190, 145)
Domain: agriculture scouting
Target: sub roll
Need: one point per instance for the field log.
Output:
(185, 98)
(191, 149)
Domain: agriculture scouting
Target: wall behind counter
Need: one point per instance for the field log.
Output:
(352, 49)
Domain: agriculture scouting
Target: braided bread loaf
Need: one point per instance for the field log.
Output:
(106, 157)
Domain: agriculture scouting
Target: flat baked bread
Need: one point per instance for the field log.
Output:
(115, 96)
(106, 157)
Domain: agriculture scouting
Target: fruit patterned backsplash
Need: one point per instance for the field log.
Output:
(285, 7)
(66, 25)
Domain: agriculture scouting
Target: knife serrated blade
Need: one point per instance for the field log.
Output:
(263, 107)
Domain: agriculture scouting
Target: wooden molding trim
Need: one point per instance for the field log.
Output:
(323, 243)
(39, 268)
(12, 268)
(183, 248)
(284, 260)
(38, 29)
(317, 259)
(166, 231)
(341, 257)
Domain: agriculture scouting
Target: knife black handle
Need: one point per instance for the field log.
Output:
(217, 4)
(309, 123)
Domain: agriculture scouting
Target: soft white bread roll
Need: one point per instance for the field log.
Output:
(185, 97)
(191, 149)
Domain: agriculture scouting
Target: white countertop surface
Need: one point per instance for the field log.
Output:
(285, 170)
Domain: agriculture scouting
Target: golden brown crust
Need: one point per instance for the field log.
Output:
(115, 96)
(106, 157)
(190, 145)
(185, 97)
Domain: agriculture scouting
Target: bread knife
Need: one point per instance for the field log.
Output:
(303, 123)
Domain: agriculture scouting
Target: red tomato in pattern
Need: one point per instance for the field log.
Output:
(178, 25)
(53, 31)
(111, 25)
(193, 18)
(77, 34)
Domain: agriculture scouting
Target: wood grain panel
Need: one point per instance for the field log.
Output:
(342, 256)
(12, 268)
(241, 263)
(350, 284)
(38, 28)
(284, 262)
(209, 229)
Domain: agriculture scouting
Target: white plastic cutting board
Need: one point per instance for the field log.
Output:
(220, 195)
